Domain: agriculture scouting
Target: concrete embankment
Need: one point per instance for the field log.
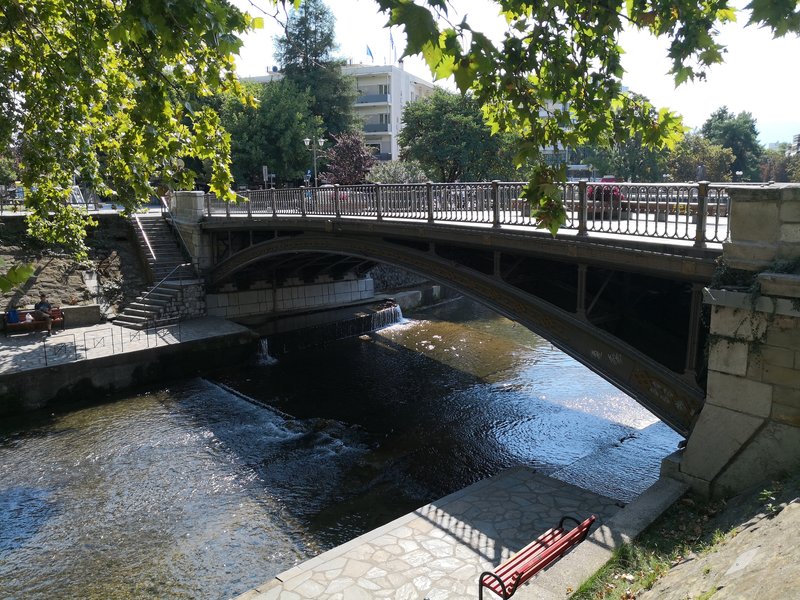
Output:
(92, 362)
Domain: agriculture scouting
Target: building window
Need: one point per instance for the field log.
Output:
(383, 89)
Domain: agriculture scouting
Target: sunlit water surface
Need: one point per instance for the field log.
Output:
(210, 487)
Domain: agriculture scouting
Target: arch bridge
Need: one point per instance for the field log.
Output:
(619, 288)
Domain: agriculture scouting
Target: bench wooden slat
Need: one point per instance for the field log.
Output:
(554, 543)
(56, 317)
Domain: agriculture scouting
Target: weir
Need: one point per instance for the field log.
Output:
(315, 329)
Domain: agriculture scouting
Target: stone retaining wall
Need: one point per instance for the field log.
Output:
(749, 428)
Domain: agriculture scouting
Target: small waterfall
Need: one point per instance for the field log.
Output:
(389, 314)
(264, 357)
(349, 323)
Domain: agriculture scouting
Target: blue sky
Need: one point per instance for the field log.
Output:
(759, 74)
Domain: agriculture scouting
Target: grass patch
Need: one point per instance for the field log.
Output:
(685, 529)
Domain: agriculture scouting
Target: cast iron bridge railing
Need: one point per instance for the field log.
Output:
(693, 212)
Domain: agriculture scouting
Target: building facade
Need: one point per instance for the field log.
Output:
(383, 91)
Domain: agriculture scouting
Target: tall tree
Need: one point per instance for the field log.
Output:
(630, 159)
(739, 133)
(306, 55)
(269, 134)
(696, 151)
(445, 132)
(102, 90)
(774, 164)
(793, 168)
(8, 170)
(349, 160)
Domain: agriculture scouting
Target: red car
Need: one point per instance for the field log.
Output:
(604, 200)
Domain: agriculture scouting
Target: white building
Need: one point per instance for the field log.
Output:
(795, 147)
(383, 91)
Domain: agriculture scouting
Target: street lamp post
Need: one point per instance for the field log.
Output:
(312, 144)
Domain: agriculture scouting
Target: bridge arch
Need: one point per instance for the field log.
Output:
(672, 397)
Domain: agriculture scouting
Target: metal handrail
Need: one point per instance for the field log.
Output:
(66, 347)
(165, 278)
(166, 213)
(144, 236)
(686, 212)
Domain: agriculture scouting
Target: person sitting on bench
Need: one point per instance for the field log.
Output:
(42, 312)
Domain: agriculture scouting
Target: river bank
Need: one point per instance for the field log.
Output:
(208, 486)
(739, 548)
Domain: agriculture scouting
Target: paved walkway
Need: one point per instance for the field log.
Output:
(34, 350)
(438, 551)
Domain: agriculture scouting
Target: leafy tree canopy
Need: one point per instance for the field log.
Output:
(101, 91)
(398, 171)
(631, 159)
(349, 160)
(8, 170)
(682, 163)
(793, 169)
(306, 55)
(780, 164)
(555, 76)
(739, 133)
(445, 132)
(270, 133)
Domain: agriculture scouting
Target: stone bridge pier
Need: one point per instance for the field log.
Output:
(749, 427)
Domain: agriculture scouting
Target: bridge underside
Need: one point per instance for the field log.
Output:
(631, 315)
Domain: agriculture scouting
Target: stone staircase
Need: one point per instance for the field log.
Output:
(161, 302)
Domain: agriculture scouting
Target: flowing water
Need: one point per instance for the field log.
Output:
(209, 487)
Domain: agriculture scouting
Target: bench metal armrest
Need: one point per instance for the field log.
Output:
(506, 593)
(565, 518)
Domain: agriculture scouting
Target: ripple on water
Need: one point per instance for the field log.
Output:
(199, 491)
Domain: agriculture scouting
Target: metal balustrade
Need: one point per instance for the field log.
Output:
(695, 212)
(92, 343)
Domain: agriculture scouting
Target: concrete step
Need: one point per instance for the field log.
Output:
(177, 284)
(150, 307)
(131, 322)
(157, 295)
(135, 312)
(163, 262)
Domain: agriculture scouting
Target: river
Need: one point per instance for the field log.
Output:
(208, 487)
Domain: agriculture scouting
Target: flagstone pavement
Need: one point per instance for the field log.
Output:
(438, 551)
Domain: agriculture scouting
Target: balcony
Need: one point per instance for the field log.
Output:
(377, 127)
(374, 99)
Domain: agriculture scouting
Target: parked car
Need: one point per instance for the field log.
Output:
(604, 200)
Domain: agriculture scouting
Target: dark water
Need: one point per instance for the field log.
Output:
(210, 487)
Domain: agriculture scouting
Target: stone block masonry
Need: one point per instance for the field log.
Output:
(749, 428)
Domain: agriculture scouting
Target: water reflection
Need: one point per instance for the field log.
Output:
(210, 487)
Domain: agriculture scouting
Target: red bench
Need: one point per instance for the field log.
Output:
(23, 324)
(539, 554)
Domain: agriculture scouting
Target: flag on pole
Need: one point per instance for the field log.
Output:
(369, 53)
(391, 40)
